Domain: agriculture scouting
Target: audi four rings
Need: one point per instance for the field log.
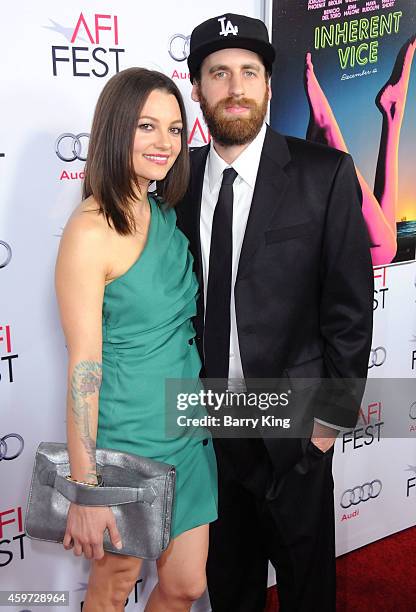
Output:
(6, 257)
(412, 411)
(377, 357)
(70, 147)
(4, 448)
(179, 47)
(353, 497)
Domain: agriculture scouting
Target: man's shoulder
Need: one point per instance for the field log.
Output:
(198, 153)
(194, 150)
(314, 148)
(304, 152)
(301, 149)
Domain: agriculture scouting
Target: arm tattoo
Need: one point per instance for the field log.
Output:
(85, 383)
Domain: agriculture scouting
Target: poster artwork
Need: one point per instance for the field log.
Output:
(345, 76)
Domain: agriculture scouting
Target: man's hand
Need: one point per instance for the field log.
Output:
(323, 436)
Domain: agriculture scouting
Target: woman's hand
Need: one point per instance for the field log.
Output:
(85, 525)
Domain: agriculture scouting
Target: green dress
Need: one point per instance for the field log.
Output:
(148, 337)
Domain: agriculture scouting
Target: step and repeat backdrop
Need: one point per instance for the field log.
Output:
(56, 59)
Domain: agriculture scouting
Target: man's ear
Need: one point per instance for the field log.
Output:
(195, 92)
(269, 90)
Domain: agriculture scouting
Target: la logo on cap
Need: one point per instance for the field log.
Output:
(227, 29)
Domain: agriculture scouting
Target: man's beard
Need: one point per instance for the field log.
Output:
(236, 130)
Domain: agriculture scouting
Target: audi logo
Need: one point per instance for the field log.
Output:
(4, 448)
(412, 411)
(179, 47)
(353, 497)
(70, 147)
(377, 357)
(6, 256)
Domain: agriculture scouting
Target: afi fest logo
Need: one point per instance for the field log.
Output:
(368, 428)
(13, 521)
(69, 148)
(82, 60)
(228, 28)
(135, 594)
(380, 288)
(6, 355)
(199, 134)
(411, 482)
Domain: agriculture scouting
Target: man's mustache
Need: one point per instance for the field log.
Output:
(245, 102)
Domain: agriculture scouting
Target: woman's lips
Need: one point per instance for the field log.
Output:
(160, 160)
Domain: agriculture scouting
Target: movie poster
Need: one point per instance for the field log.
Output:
(345, 75)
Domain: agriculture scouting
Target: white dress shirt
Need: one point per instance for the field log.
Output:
(246, 165)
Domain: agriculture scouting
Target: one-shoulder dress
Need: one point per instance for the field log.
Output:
(148, 337)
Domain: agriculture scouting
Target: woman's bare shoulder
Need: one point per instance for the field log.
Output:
(86, 234)
(87, 224)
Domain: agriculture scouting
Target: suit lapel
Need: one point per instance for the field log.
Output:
(269, 191)
(198, 162)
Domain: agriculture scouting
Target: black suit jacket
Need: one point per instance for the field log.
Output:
(304, 287)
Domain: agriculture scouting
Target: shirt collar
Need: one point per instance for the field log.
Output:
(246, 164)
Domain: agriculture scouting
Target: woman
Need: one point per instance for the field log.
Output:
(126, 294)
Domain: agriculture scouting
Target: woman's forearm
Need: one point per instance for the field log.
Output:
(84, 381)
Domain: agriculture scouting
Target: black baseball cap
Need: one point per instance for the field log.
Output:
(229, 31)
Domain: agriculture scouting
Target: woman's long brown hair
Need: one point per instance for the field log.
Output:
(109, 170)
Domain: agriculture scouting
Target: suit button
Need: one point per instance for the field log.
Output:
(205, 442)
(190, 341)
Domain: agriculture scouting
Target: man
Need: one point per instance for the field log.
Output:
(282, 255)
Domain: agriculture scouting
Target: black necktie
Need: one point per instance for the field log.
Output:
(217, 313)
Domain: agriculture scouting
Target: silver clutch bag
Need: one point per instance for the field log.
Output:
(139, 490)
